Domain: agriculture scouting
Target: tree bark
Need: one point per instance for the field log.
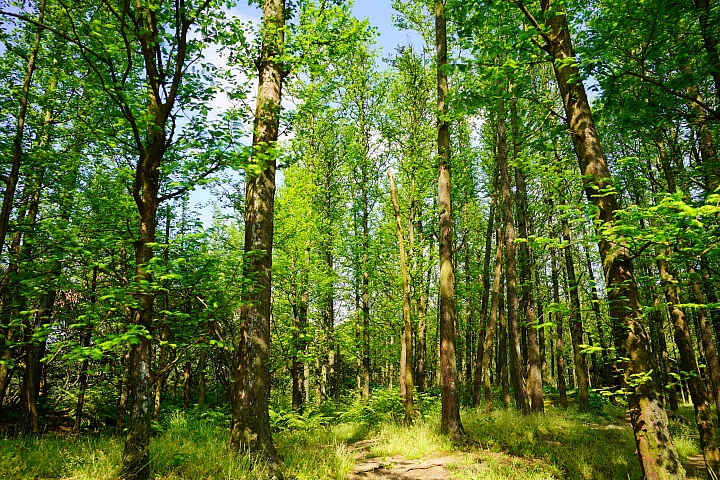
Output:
(711, 357)
(450, 422)
(534, 380)
(561, 382)
(251, 419)
(517, 376)
(698, 391)
(365, 290)
(656, 451)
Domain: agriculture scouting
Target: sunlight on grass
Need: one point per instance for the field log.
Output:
(319, 453)
(421, 440)
(577, 446)
(562, 444)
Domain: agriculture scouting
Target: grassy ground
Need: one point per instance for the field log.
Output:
(326, 444)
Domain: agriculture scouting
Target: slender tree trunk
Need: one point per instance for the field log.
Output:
(366, 290)
(479, 373)
(503, 354)
(450, 422)
(187, 385)
(517, 376)
(576, 326)
(469, 305)
(421, 305)
(124, 393)
(202, 364)
(606, 370)
(534, 380)
(698, 391)
(406, 377)
(490, 333)
(562, 383)
(251, 419)
(11, 180)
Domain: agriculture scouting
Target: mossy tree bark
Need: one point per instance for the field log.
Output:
(251, 420)
(655, 449)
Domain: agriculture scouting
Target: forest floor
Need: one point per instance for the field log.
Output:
(500, 460)
(356, 441)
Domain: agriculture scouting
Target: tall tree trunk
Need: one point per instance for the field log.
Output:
(251, 419)
(576, 326)
(656, 452)
(492, 325)
(187, 385)
(534, 380)
(421, 306)
(450, 422)
(407, 377)
(698, 391)
(479, 373)
(202, 365)
(561, 382)
(366, 289)
(11, 180)
(517, 376)
(503, 353)
(124, 393)
(605, 368)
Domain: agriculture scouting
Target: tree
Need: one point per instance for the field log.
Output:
(251, 420)
(451, 423)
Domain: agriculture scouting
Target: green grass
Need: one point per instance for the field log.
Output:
(562, 444)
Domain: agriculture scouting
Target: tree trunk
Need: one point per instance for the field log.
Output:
(407, 377)
(576, 326)
(606, 370)
(503, 354)
(534, 380)
(711, 357)
(450, 422)
(698, 391)
(124, 392)
(202, 363)
(365, 290)
(517, 376)
(480, 373)
(251, 419)
(561, 382)
(187, 377)
(11, 180)
(490, 333)
(656, 451)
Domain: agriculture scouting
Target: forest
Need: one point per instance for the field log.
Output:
(237, 246)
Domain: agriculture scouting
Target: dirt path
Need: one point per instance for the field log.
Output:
(399, 468)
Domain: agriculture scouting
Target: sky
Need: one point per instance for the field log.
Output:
(379, 12)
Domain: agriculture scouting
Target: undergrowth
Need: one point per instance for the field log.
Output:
(325, 442)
